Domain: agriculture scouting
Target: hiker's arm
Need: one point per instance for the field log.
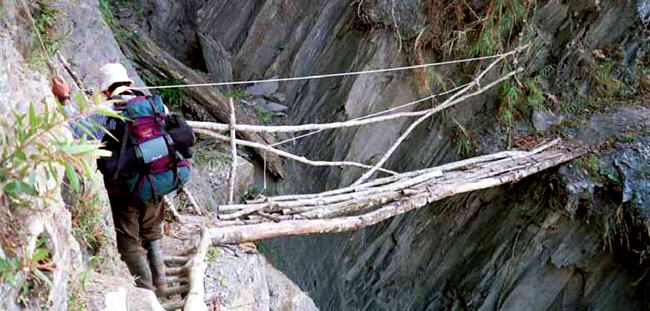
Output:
(61, 90)
(62, 93)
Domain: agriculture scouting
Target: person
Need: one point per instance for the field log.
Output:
(138, 225)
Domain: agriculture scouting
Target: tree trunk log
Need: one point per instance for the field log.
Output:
(196, 296)
(409, 200)
(146, 54)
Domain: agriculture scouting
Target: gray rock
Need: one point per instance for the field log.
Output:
(209, 180)
(263, 89)
(612, 24)
(284, 294)
(91, 44)
(633, 163)
(275, 107)
(407, 14)
(277, 97)
(543, 119)
(643, 8)
(217, 59)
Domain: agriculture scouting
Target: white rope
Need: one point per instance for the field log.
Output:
(376, 114)
(342, 74)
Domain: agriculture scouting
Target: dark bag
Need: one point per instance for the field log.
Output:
(181, 134)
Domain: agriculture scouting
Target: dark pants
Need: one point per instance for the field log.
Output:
(135, 222)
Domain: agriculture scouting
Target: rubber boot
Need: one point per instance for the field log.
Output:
(139, 268)
(154, 254)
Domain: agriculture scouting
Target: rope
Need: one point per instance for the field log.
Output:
(323, 76)
(376, 113)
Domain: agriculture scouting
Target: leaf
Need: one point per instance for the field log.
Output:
(72, 176)
(85, 129)
(109, 112)
(80, 149)
(34, 120)
(41, 253)
(103, 153)
(81, 102)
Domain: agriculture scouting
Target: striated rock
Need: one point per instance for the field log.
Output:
(263, 89)
(277, 97)
(643, 8)
(275, 107)
(406, 14)
(217, 59)
(543, 119)
(612, 23)
(90, 42)
(633, 164)
(284, 294)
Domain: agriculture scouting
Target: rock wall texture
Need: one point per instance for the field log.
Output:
(85, 42)
(522, 247)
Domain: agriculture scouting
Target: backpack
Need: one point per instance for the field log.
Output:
(151, 157)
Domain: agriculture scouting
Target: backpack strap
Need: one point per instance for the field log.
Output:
(121, 159)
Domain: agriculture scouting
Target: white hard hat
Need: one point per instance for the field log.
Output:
(112, 73)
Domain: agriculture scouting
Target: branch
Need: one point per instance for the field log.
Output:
(196, 294)
(233, 153)
(286, 154)
(446, 104)
(172, 209)
(409, 201)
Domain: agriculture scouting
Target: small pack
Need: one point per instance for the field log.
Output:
(151, 157)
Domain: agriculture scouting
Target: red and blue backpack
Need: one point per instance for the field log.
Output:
(151, 157)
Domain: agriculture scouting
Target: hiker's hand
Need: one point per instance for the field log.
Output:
(60, 89)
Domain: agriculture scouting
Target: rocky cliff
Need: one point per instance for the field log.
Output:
(57, 248)
(574, 238)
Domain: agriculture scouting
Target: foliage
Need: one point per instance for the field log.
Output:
(33, 149)
(212, 255)
(45, 19)
(517, 101)
(251, 193)
(474, 28)
(86, 210)
(237, 94)
(34, 154)
(172, 97)
(108, 9)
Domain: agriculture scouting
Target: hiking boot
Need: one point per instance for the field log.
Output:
(154, 254)
(139, 268)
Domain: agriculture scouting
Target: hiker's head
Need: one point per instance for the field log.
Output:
(112, 76)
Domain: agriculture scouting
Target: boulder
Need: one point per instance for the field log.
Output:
(543, 119)
(263, 89)
(275, 107)
(278, 98)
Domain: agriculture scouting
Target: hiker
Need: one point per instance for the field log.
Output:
(149, 150)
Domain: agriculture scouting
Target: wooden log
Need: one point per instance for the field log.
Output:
(173, 305)
(249, 233)
(196, 296)
(148, 55)
(177, 290)
(175, 260)
(233, 155)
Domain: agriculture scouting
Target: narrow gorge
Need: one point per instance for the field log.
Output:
(574, 237)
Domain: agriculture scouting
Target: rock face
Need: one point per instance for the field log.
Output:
(514, 247)
(21, 86)
(88, 43)
(240, 278)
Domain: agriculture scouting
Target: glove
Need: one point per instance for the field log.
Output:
(60, 89)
